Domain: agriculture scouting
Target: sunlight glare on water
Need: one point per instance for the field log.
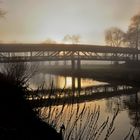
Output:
(61, 81)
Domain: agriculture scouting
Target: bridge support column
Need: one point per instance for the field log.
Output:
(73, 64)
(31, 54)
(135, 56)
(78, 64)
(65, 63)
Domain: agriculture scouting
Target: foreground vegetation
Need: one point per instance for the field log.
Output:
(17, 119)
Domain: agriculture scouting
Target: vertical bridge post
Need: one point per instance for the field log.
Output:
(73, 64)
(78, 64)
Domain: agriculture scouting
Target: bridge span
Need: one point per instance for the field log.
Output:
(62, 52)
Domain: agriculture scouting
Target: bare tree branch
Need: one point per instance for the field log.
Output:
(133, 33)
(74, 39)
(114, 37)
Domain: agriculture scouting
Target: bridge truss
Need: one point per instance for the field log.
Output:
(60, 52)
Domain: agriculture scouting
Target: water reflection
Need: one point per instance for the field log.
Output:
(128, 117)
(122, 122)
(129, 106)
(109, 97)
(133, 105)
(129, 103)
(62, 82)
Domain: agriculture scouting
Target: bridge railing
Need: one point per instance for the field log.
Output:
(61, 58)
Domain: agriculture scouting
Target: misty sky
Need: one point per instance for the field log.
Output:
(37, 20)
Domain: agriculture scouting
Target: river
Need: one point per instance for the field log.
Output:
(85, 119)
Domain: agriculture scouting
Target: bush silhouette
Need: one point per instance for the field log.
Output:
(17, 119)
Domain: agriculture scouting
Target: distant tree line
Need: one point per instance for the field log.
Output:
(70, 39)
(2, 13)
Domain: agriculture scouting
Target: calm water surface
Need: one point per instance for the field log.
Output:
(128, 105)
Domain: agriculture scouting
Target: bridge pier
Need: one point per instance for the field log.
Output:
(73, 64)
(135, 57)
(76, 64)
(31, 54)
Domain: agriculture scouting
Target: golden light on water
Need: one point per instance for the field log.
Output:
(67, 82)
(64, 82)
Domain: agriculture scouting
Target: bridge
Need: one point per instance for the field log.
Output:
(65, 52)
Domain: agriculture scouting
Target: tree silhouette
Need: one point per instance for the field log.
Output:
(74, 39)
(20, 72)
(114, 37)
(49, 41)
(133, 33)
(2, 13)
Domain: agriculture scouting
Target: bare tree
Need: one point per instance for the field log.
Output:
(74, 39)
(114, 37)
(50, 41)
(20, 73)
(133, 33)
(2, 13)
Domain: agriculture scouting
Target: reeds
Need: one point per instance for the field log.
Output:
(131, 135)
(79, 120)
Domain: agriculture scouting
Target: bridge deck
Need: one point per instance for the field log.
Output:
(65, 47)
(60, 52)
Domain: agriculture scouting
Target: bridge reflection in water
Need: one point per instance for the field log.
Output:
(77, 93)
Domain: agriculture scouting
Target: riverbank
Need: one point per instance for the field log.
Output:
(17, 119)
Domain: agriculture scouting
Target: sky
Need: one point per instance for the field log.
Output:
(34, 21)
